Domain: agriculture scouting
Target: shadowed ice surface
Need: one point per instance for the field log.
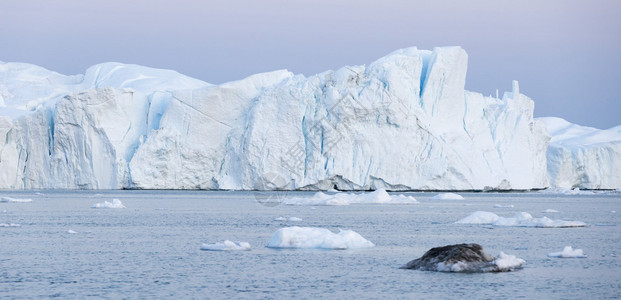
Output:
(151, 249)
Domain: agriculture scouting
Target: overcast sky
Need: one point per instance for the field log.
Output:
(566, 54)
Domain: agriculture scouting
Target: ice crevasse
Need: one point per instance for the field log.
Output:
(403, 122)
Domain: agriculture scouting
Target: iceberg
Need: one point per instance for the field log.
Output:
(14, 200)
(568, 252)
(402, 122)
(447, 196)
(116, 203)
(226, 246)
(522, 219)
(581, 157)
(379, 196)
(317, 238)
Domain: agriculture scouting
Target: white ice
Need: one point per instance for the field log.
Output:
(379, 196)
(522, 219)
(116, 203)
(71, 231)
(318, 238)
(502, 263)
(504, 205)
(290, 219)
(583, 157)
(568, 252)
(402, 122)
(447, 196)
(14, 200)
(549, 211)
(9, 225)
(226, 246)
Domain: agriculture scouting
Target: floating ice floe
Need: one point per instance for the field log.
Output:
(317, 238)
(504, 206)
(116, 203)
(71, 231)
(14, 200)
(466, 258)
(549, 211)
(226, 246)
(379, 196)
(577, 191)
(9, 225)
(568, 252)
(447, 196)
(290, 219)
(522, 219)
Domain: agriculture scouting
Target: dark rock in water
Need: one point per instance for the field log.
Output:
(468, 258)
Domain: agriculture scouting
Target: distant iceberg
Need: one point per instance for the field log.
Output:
(226, 246)
(317, 238)
(15, 200)
(568, 252)
(447, 196)
(522, 219)
(379, 196)
(116, 203)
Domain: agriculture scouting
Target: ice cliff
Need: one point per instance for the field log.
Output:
(402, 122)
(583, 157)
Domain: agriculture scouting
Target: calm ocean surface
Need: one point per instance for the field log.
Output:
(151, 249)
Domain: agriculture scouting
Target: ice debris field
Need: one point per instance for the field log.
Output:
(402, 122)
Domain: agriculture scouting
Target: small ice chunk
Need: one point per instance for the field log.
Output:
(504, 206)
(226, 246)
(568, 252)
(116, 203)
(447, 196)
(479, 217)
(318, 238)
(9, 225)
(71, 231)
(549, 211)
(379, 196)
(15, 200)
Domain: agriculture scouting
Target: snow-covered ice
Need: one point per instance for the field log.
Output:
(549, 211)
(10, 225)
(522, 219)
(568, 252)
(116, 203)
(226, 246)
(447, 196)
(504, 206)
(71, 231)
(318, 238)
(379, 196)
(15, 200)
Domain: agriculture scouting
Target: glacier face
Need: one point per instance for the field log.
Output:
(402, 122)
(583, 157)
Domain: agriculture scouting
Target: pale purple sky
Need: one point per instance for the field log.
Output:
(566, 54)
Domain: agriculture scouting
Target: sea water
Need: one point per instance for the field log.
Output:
(63, 248)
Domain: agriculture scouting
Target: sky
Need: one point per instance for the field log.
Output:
(566, 54)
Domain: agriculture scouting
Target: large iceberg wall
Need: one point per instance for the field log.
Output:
(583, 157)
(403, 122)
